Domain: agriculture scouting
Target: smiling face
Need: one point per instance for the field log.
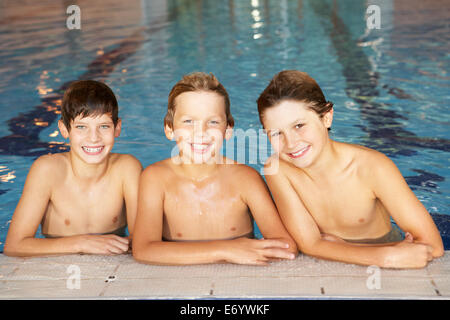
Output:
(297, 133)
(91, 138)
(199, 126)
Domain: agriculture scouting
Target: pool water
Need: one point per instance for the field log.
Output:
(390, 86)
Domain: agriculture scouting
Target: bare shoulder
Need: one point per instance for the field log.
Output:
(276, 168)
(369, 157)
(369, 162)
(161, 169)
(273, 160)
(50, 164)
(125, 162)
(47, 170)
(243, 179)
(52, 159)
(360, 151)
(239, 171)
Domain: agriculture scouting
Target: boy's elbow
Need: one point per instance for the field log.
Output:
(138, 252)
(436, 244)
(11, 250)
(7, 251)
(306, 250)
(143, 253)
(307, 247)
(438, 251)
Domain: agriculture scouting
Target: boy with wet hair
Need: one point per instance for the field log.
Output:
(85, 198)
(337, 199)
(197, 206)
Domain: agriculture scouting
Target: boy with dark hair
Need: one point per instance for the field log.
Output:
(83, 198)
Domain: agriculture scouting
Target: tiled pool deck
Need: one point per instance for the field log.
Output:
(120, 277)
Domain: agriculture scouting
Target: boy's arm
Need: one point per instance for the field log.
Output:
(408, 212)
(148, 246)
(29, 212)
(132, 170)
(257, 197)
(306, 233)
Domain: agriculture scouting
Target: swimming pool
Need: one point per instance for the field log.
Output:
(389, 85)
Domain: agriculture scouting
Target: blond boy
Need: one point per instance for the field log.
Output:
(197, 206)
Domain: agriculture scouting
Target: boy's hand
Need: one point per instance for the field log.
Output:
(108, 244)
(407, 254)
(256, 252)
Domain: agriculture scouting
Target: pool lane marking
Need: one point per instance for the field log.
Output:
(24, 139)
(384, 132)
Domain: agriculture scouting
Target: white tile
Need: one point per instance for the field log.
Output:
(253, 287)
(304, 277)
(155, 288)
(6, 270)
(55, 289)
(389, 287)
(442, 285)
(58, 269)
(440, 266)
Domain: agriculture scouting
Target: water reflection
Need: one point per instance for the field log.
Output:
(384, 132)
(25, 128)
(244, 43)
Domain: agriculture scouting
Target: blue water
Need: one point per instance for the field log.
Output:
(390, 86)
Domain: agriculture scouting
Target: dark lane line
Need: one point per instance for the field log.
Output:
(384, 132)
(26, 127)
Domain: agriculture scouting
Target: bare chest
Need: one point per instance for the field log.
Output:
(204, 211)
(346, 206)
(210, 200)
(75, 208)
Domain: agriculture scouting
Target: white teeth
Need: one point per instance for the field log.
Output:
(299, 152)
(92, 150)
(200, 146)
